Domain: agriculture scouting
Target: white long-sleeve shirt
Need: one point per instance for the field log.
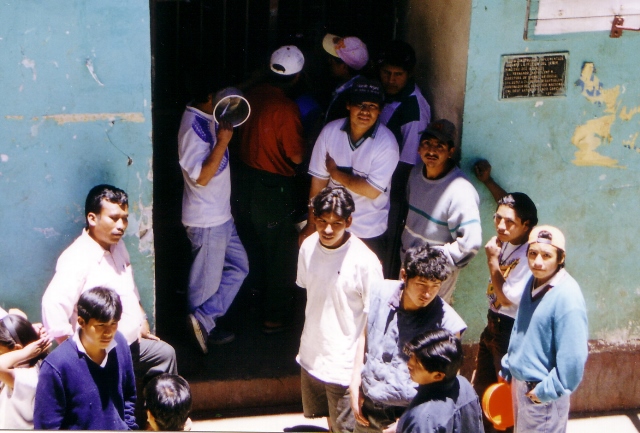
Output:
(85, 265)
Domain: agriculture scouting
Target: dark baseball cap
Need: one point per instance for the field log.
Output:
(441, 129)
(365, 90)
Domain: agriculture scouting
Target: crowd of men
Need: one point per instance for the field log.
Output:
(383, 198)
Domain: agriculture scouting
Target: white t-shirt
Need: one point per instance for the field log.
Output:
(202, 206)
(338, 283)
(16, 405)
(375, 159)
(515, 269)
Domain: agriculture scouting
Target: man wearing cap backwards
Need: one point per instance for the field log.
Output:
(443, 204)
(220, 262)
(360, 154)
(406, 113)
(548, 347)
(347, 57)
(271, 146)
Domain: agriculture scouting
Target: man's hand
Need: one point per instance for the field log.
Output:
(357, 399)
(145, 331)
(332, 167)
(492, 248)
(225, 132)
(482, 170)
(533, 397)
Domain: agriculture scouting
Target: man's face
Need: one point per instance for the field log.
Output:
(337, 69)
(332, 229)
(509, 226)
(96, 334)
(435, 154)
(543, 261)
(419, 374)
(363, 115)
(418, 291)
(108, 227)
(394, 79)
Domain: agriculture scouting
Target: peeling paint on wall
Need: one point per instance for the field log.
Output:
(30, 64)
(48, 232)
(14, 117)
(596, 132)
(61, 119)
(141, 226)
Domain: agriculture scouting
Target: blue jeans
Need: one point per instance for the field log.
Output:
(219, 267)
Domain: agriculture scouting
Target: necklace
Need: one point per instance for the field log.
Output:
(501, 261)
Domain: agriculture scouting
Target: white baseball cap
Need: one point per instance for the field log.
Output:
(287, 60)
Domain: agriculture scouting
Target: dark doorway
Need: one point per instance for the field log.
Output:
(228, 40)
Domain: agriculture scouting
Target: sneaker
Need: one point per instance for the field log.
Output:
(199, 333)
(220, 336)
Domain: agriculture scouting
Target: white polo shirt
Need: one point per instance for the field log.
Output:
(375, 158)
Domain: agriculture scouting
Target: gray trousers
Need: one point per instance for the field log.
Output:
(549, 417)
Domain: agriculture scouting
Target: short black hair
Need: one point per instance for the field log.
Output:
(397, 53)
(522, 205)
(15, 329)
(336, 200)
(424, 261)
(93, 203)
(101, 304)
(437, 350)
(168, 398)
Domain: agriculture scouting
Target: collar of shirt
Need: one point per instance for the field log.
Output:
(541, 290)
(81, 349)
(371, 132)
(95, 252)
(406, 91)
(434, 390)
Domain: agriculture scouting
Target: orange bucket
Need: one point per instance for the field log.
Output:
(497, 406)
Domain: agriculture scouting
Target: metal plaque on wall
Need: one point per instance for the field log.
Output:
(533, 75)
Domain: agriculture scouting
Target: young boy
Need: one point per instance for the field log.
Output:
(87, 382)
(445, 402)
(399, 310)
(515, 217)
(168, 399)
(337, 269)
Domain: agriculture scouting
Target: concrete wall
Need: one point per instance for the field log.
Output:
(439, 32)
(575, 155)
(76, 94)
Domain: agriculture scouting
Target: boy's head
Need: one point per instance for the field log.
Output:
(546, 252)
(168, 400)
(107, 214)
(99, 311)
(437, 146)
(515, 216)
(332, 209)
(396, 63)
(423, 271)
(434, 356)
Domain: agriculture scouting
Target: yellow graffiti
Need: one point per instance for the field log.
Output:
(594, 92)
(61, 119)
(627, 115)
(597, 132)
(590, 136)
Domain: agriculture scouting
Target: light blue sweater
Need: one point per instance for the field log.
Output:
(549, 339)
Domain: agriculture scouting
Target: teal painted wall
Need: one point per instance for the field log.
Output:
(76, 111)
(529, 144)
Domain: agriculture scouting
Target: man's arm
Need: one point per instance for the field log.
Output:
(129, 391)
(212, 162)
(482, 170)
(492, 248)
(352, 182)
(357, 399)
